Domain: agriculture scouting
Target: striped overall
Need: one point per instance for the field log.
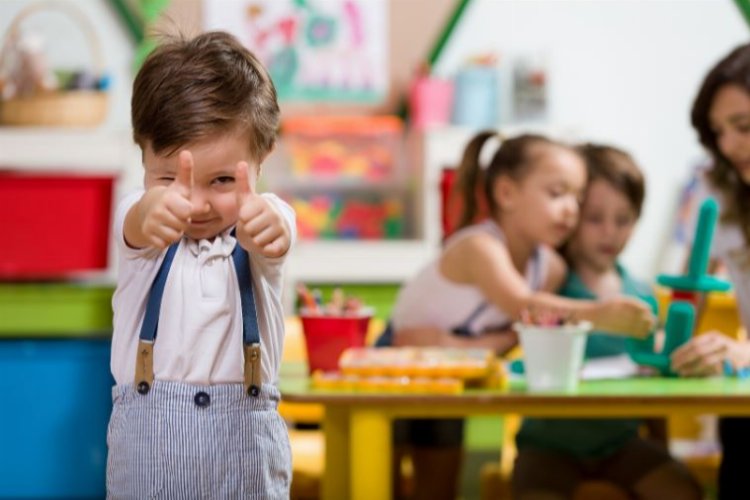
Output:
(181, 441)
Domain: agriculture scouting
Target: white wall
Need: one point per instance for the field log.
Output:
(623, 72)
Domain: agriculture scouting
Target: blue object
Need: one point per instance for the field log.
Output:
(476, 97)
(729, 371)
(57, 399)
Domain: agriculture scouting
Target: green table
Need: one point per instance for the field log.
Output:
(357, 425)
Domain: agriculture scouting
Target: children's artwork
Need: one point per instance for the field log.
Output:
(331, 50)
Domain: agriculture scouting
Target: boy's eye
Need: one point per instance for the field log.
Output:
(224, 179)
(166, 178)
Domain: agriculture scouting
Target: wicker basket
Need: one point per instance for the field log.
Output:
(73, 108)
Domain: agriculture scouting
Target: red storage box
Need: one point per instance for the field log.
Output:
(53, 224)
(326, 337)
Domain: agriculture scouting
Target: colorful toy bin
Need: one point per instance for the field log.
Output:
(344, 177)
(56, 381)
(55, 224)
(54, 334)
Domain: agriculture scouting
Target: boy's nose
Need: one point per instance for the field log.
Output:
(199, 202)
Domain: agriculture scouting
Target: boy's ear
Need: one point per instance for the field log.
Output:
(505, 192)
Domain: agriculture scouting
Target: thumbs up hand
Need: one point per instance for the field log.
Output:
(260, 227)
(165, 210)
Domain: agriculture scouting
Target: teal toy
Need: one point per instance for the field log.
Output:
(696, 280)
(686, 291)
(678, 330)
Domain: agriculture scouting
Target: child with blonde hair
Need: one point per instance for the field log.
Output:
(198, 319)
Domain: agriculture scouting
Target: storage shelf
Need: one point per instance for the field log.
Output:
(53, 149)
(360, 261)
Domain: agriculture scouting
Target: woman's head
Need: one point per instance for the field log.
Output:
(531, 182)
(721, 116)
(611, 207)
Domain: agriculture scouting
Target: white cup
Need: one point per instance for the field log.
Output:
(553, 355)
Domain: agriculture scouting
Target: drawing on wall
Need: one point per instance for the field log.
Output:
(331, 50)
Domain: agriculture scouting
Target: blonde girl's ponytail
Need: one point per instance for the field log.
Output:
(470, 179)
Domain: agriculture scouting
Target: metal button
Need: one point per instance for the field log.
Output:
(202, 400)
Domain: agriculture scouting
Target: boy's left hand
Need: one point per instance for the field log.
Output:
(260, 227)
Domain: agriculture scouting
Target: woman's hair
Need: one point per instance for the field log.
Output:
(618, 169)
(513, 158)
(192, 88)
(733, 69)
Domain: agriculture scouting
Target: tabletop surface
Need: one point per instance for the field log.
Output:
(295, 386)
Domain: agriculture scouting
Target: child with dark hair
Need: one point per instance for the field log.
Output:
(200, 264)
(573, 450)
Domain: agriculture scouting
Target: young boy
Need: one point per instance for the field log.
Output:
(571, 451)
(200, 264)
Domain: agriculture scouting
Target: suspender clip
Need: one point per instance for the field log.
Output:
(252, 369)
(144, 367)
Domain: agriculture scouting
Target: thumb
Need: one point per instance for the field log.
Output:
(245, 177)
(184, 177)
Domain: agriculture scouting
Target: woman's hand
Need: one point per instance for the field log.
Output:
(704, 355)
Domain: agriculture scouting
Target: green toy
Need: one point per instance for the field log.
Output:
(686, 291)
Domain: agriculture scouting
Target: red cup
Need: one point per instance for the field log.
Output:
(326, 337)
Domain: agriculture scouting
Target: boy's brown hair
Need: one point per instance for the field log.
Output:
(618, 169)
(192, 89)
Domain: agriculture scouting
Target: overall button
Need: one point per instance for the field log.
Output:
(202, 400)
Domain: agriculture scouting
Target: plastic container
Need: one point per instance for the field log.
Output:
(553, 355)
(365, 148)
(57, 399)
(361, 216)
(476, 100)
(326, 337)
(430, 101)
(54, 225)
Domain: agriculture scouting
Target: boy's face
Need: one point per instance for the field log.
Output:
(214, 190)
(607, 221)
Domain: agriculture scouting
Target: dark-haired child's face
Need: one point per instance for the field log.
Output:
(214, 190)
(546, 201)
(730, 120)
(607, 222)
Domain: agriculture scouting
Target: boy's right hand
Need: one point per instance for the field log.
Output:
(624, 316)
(165, 210)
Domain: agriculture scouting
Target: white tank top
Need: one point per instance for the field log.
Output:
(430, 299)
